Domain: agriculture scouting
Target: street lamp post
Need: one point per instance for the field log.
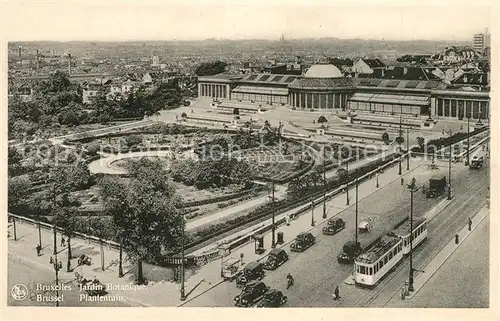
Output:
(413, 188)
(39, 234)
(467, 161)
(400, 135)
(408, 153)
(183, 294)
(14, 226)
(273, 243)
(324, 183)
(120, 268)
(449, 171)
(356, 226)
(347, 179)
(377, 175)
(56, 264)
(312, 213)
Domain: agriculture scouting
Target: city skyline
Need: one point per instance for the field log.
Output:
(190, 21)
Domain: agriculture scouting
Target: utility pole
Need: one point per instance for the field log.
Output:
(347, 179)
(273, 243)
(324, 183)
(102, 254)
(467, 161)
(120, 268)
(183, 295)
(39, 233)
(356, 227)
(14, 226)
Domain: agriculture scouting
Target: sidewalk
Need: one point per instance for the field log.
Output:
(422, 278)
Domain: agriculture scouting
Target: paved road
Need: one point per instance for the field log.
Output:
(21, 271)
(469, 265)
(317, 272)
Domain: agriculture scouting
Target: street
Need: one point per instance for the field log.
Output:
(317, 272)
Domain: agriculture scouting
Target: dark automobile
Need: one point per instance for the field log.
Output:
(334, 226)
(302, 242)
(275, 259)
(351, 251)
(253, 271)
(272, 299)
(252, 292)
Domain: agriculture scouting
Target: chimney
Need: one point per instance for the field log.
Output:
(37, 60)
(20, 50)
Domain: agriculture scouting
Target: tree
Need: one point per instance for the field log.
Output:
(236, 111)
(145, 210)
(133, 140)
(385, 137)
(70, 178)
(210, 68)
(18, 191)
(93, 149)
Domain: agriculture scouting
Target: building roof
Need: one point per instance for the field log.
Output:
(269, 79)
(323, 71)
(374, 63)
(222, 76)
(400, 84)
(391, 99)
(409, 73)
(374, 252)
(261, 90)
(322, 83)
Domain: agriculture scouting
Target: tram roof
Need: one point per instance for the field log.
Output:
(374, 252)
(404, 229)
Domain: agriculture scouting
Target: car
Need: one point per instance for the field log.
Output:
(272, 299)
(275, 259)
(252, 271)
(351, 250)
(302, 242)
(251, 293)
(333, 226)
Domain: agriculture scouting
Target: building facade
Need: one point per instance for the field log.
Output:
(323, 87)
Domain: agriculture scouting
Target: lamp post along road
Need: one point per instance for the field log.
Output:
(312, 213)
(356, 227)
(399, 141)
(467, 161)
(39, 233)
(449, 171)
(183, 294)
(347, 180)
(413, 188)
(273, 243)
(408, 153)
(14, 226)
(56, 264)
(324, 183)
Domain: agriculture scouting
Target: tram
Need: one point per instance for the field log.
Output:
(378, 260)
(419, 234)
(383, 256)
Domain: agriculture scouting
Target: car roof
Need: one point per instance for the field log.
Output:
(276, 251)
(253, 283)
(253, 265)
(302, 234)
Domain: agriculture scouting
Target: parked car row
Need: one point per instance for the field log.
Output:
(257, 292)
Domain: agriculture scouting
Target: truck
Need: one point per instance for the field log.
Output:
(477, 160)
(437, 186)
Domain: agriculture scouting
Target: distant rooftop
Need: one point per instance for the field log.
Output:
(373, 253)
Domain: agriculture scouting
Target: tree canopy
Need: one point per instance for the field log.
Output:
(145, 209)
(210, 68)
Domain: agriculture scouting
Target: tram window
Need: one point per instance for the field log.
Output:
(391, 255)
(370, 271)
(357, 268)
(386, 259)
(362, 270)
(375, 268)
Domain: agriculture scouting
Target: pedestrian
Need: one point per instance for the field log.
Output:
(336, 293)
(403, 293)
(63, 241)
(470, 224)
(38, 249)
(287, 220)
(402, 181)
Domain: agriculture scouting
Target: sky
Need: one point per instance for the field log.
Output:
(113, 20)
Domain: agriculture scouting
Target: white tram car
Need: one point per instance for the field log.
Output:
(419, 234)
(386, 253)
(377, 260)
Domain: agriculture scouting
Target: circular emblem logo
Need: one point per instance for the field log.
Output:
(19, 292)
